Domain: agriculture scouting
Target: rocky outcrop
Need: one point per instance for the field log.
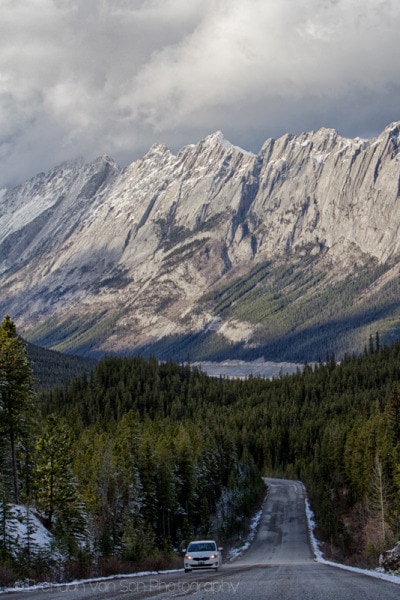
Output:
(389, 561)
(129, 252)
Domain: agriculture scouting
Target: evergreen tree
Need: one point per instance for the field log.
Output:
(377, 531)
(28, 547)
(17, 399)
(393, 415)
(5, 470)
(56, 487)
(396, 498)
(7, 530)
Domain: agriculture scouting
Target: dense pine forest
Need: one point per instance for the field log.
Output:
(51, 369)
(128, 462)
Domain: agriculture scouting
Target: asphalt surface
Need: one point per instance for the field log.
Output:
(279, 565)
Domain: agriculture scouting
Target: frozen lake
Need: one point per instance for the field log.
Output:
(241, 368)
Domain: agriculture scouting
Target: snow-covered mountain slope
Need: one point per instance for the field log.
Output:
(95, 258)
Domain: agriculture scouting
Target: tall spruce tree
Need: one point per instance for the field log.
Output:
(17, 398)
(56, 487)
(8, 529)
(393, 415)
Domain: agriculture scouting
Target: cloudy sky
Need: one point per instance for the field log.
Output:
(92, 77)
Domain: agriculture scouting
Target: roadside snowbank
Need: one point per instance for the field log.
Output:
(319, 557)
(236, 552)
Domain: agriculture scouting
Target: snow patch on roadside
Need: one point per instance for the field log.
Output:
(238, 551)
(320, 559)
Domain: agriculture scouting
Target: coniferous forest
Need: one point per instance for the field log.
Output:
(128, 462)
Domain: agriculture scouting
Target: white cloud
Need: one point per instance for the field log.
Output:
(87, 77)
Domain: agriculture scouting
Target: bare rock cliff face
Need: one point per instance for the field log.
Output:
(95, 258)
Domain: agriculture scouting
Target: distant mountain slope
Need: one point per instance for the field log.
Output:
(52, 368)
(215, 252)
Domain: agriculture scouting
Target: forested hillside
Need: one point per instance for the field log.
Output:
(130, 461)
(50, 368)
(295, 308)
(334, 426)
(120, 466)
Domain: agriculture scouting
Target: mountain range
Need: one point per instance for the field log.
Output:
(213, 253)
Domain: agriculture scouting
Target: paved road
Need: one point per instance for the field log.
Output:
(279, 566)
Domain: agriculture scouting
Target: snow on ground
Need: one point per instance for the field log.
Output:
(241, 369)
(319, 556)
(239, 550)
(17, 529)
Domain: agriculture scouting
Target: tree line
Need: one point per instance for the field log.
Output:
(138, 456)
(118, 465)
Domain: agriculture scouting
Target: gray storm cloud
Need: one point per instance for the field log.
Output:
(88, 77)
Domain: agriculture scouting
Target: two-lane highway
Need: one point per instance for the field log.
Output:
(282, 536)
(279, 565)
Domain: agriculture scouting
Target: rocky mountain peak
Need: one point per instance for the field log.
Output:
(135, 255)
